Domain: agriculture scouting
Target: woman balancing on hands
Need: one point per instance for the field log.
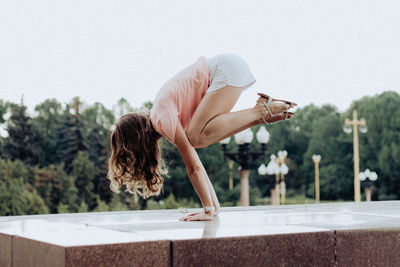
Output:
(191, 110)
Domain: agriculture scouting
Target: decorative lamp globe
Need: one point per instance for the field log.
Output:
(284, 169)
(282, 154)
(262, 135)
(347, 129)
(316, 158)
(363, 129)
(262, 170)
(272, 167)
(373, 176)
(248, 135)
(225, 141)
(245, 136)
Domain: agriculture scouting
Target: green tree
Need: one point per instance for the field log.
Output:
(11, 200)
(3, 110)
(49, 187)
(122, 107)
(23, 138)
(83, 171)
(101, 206)
(62, 208)
(380, 146)
(96, 147)
(70, 137)
(101, 183)
(33, 203)
(117, 204)
(83, 207)
(327, 140)
(48, 119)
(98, 116)
(17, 197)
(69, 200)
(98, 121)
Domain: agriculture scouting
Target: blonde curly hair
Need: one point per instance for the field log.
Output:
(135, 159)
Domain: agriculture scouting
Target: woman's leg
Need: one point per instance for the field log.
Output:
(212, 121)
(251, 124)
(212, 105)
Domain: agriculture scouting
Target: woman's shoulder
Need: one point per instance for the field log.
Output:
(164, 119)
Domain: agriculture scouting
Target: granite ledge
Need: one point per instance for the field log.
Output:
(298, 249)
(368, 247)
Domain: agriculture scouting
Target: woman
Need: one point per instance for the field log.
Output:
(191, 110)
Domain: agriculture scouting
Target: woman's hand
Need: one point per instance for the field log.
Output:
(216, 211)
(199, 216)
(195, 213)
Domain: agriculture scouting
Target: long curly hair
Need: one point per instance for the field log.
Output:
(135, 159)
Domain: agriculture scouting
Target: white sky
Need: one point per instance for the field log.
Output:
(307, 51)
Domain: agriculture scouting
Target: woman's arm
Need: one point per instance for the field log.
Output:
(196, 172)
(213, 194)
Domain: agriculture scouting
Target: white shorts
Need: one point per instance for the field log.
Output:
(229, 69)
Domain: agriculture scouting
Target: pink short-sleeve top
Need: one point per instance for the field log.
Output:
(179, 97)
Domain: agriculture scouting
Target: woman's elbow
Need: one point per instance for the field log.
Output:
(194, 169)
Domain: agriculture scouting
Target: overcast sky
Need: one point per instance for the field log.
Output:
(101, 50)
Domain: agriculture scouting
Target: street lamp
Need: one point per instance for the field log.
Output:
(262, 171)
(273, 169)
(245, 158)
(368, 178)
(352, 126)
(283, 170)
(230, 164)
(316, 159)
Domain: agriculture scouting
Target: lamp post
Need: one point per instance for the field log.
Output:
(230, 164)
(352, 126)
(262, 171)
(273, 169)
(283, 170)
(245, 158)
(368, 178)
(316, 159)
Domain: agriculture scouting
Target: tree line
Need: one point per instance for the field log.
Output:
(56, 160)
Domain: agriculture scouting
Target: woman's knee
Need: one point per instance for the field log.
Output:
(196, 139)
(193, 138)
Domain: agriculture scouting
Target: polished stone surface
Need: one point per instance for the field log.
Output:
(133, 226)
(92, 235)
